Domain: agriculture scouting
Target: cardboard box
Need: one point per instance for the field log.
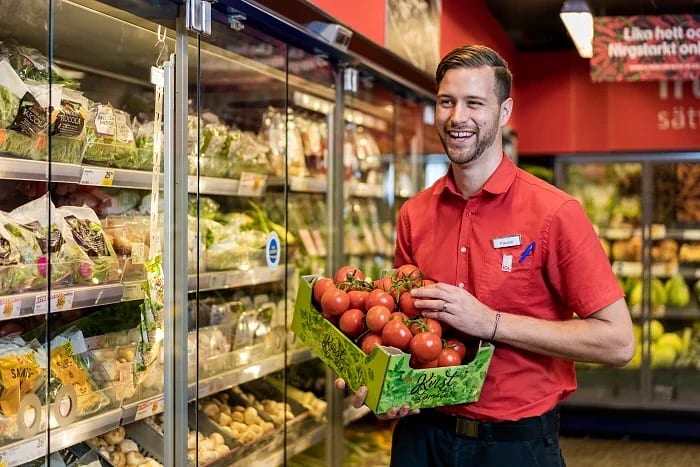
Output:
(390, 381)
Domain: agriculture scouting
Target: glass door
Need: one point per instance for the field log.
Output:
(80, 116)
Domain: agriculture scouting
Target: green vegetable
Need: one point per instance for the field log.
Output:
(9, 104)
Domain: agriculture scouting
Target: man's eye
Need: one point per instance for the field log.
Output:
(446, 103)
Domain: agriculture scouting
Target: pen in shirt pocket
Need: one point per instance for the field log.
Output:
(527, 252)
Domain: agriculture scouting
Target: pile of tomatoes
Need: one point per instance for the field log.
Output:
(383, 312)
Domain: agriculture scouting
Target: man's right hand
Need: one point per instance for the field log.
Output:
(360, 395)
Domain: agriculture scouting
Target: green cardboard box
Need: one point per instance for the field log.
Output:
(390, 381)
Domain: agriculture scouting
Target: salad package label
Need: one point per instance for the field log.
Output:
(390, 381)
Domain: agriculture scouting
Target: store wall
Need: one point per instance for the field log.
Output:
(562, 111)
(367, 17)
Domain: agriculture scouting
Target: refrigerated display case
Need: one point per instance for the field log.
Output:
(166, 177)
(645, 207)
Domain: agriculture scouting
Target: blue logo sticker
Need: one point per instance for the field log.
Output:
(273, 250)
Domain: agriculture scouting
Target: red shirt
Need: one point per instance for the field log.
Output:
(451, 239)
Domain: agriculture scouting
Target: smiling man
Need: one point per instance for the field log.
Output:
(516, 262)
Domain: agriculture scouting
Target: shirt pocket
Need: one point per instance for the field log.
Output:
(507, 290)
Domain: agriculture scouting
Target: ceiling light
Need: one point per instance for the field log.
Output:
(578, 20)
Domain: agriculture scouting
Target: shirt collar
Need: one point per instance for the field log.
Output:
(499, 182)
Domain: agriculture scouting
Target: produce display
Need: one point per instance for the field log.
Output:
(120, 450)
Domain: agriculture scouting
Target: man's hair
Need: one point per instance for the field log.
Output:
(476, 56)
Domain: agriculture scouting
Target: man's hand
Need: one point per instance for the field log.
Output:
(360, 395)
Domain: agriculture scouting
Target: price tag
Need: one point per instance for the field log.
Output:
(157, 76)
(298, 184)
(25, 452)
(148, 408)
(62, 300)
(97, 177)
(132, 291)
(95, 342)
(691, 234)
(251, 184)
(138, 253)
(218, 281)
(10, 307)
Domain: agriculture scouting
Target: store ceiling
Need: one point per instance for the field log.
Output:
(534, 25)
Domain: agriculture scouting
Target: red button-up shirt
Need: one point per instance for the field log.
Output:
(453, 240)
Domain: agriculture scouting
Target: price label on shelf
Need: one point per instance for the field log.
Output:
(148, 408)
(132, 291)
(10, 307)
(251, 184)
(691, 234)
(97, 177)
(58, 301)
(25, 451)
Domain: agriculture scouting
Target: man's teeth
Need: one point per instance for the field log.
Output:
(460, 134)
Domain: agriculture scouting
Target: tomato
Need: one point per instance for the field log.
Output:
(396, 334)
(449, 357)
(427, 282)
(320, 286)
(345, 273)
(357, 299)
(413, 363)
(352, 323)
(377, 317)
(426, 324)
(369, 341)
(458, 346)
(334, 302)
(407, 304)
(425, 346)
(408, 271)
(399, 315)
(385, 284)
(379, 297)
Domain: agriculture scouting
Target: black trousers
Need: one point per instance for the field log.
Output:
(432, 439)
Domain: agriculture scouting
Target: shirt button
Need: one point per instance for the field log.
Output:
(463, 249)
(461, 285)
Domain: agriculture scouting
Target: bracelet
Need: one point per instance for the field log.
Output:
(495, 325)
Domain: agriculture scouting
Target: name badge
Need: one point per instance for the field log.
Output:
(505, 242)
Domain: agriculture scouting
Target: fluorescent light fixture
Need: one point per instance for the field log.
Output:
(578, 20)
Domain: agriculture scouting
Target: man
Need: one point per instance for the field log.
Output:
(515, 259)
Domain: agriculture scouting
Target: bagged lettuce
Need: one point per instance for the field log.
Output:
(102, 264)
(20, 256)
(110, 140)
(66, 130)
(11, 91)
(55, 240)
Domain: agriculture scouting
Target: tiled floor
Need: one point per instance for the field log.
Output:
(591, 452)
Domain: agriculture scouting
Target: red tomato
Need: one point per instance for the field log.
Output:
(385, 284)
(320, 286)
(413, 363)
(377, 317)
(410, 272)
(357, 299)
(352, 323)
(334, 302)
(396, 334)
(400, 316)
(379, 297)
(425, 346)
(369, 341)
(449, 357)
(345, 273)
(407, 304)
(426, 282)
(458, 346)
(426, 324)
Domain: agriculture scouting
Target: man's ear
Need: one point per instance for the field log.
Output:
(505, 112)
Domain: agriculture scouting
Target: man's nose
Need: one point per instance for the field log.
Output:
(460, 113)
